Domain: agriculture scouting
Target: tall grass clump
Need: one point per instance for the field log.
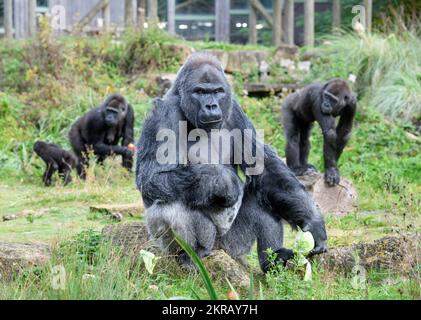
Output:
(387, 67)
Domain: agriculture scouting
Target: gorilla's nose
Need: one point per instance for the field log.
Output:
(211, 107)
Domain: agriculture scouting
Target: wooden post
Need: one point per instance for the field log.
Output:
(309, 23)
(152, 12)
(252, 25)
(128, 13)
(171, 16)
(8, 19)
(222, 20)
(289, 21)
(32, 17)
(277, 23)
(106, 15)
(368, 4)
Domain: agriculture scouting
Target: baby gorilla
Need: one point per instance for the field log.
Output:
(321, 102)
(56, 159)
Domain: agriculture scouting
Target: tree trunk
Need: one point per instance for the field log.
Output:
(141, 14)
(32, 18)
(252, 25)
(128, 13)
(289, 22)
(277, 23)
(222, 23)
(309, 23)
(368, 4)
(336, 12)
(152, 12)
(171, 16)
(8, 19)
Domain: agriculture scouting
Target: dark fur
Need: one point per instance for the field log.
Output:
(56, 159)
(185, 199)
(101, 130)
(321, 102)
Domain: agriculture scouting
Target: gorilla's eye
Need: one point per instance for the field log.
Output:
(199, 91)
(346, 97)
(219, 90)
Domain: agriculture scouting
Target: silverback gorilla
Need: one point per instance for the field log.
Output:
(321, 102)
(208, 204)
(101, 129)
(56, 159)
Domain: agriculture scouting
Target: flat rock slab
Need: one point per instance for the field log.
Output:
(16, 256)
(399, 252)
(126, 210)
(338, 200)
(26, 213)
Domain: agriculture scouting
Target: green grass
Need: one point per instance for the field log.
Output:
(381, 159)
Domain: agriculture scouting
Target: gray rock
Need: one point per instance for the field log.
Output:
(133, 237)
(338, 200)
(221, 267)
(14, 257)
(398, 252)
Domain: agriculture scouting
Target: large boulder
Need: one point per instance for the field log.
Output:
(15, 257)
(338, 200)
(133, 237)
(221, 267)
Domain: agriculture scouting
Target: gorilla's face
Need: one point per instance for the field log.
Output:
(207, 98)
(336, 96)
(114, 112)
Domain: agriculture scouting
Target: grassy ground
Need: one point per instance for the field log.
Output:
(382, 159)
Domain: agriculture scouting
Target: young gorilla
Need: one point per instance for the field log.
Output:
(208, 205)
(56, 159)
(101, 129)
(320, 102)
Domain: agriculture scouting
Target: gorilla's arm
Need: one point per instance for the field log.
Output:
(168, 182)
(278, 190)
(128, 127)
(344, 128)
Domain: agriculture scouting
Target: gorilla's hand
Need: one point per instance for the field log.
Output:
(215, 185)
(127, 153)
(318, 231)
(332, 176)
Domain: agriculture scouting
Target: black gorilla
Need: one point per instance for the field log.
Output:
(320, 102)
(101, 129)
(207, 203)
(56, 159)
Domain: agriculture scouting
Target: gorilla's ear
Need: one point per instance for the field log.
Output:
(328, 102)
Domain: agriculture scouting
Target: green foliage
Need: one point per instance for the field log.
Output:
(152, 50)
